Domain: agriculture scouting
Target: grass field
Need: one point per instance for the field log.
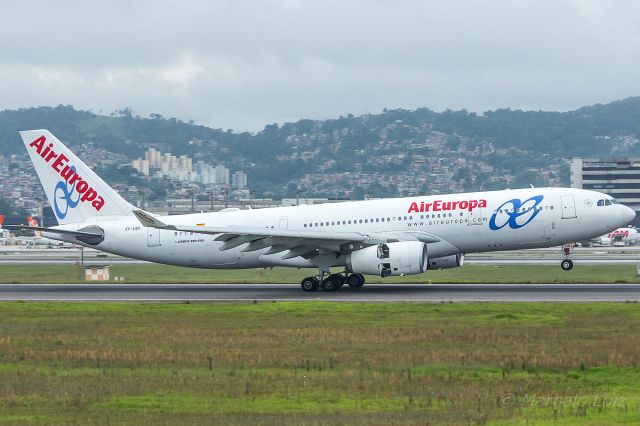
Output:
(319, 363)
(148, 273)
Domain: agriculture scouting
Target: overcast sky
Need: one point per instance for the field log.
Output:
(243, 64)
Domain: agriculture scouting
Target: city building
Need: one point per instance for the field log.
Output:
(221, 175)
(618, 177)
(141, 165)
(239, 180)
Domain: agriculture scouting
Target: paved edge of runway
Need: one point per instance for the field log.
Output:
(434, 293)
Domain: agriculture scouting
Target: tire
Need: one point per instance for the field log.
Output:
(567, 264)
(355, 280)
(332, 283)
(309, 284)
(340, 279)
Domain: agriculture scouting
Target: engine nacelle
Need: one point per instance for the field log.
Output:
(605, 241)
(453, 261)
(401, 258)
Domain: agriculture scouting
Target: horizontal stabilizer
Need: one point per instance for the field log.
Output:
(92, 235)
(54, 230)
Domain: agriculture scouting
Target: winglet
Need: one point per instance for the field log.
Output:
(149, 221)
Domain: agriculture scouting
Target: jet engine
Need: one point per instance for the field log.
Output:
(605, 241)
(401, 258)
(446, 262)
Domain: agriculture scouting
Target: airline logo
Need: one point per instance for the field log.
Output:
(515, 213)
(73, 189)
(34, 224)
(439, 205)
(623, 233)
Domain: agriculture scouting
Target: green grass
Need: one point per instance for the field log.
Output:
(320, 363)
(146, 273)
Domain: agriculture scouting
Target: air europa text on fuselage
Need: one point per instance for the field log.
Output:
(440, 205)
(59, 164)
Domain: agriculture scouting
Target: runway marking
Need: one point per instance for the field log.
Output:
(292, 292)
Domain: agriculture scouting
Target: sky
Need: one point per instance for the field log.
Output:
(244, 64)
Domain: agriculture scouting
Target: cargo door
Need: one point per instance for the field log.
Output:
(153, 237)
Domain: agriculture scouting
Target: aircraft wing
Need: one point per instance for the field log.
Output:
(298, 243)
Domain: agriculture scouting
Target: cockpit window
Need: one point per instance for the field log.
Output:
(607, 202)
(600, 202)
(614, 201)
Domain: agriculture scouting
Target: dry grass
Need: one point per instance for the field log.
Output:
(318, 363)
(152, 273)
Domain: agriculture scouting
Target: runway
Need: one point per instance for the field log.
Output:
(292, 292)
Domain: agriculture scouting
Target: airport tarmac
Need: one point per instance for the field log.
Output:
(552, 256)
(292, 292)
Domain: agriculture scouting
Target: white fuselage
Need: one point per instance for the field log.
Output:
(500, 220)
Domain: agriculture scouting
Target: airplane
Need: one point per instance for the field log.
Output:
(621, 236)
(4, 234)
(627, 235)
(38, 239)
(387, 237)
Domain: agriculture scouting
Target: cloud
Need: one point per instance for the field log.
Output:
(244, 64)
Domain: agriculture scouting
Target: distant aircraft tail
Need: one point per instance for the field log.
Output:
(32, 222)
(74, 191)
(1, 220)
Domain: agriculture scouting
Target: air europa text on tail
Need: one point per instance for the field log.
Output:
(59, 163)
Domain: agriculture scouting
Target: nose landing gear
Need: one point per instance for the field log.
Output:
(567, 264)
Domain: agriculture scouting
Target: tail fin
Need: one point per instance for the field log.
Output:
(32, 222)
(1, 220)
(74, 191)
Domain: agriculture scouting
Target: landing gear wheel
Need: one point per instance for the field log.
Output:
(355, 280)
(332, 283)
(309, 284)
(340, 279)
(567, 264)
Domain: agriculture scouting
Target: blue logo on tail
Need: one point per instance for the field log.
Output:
(527, 209)
(63, 199)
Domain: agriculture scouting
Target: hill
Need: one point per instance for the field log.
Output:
(396, 152)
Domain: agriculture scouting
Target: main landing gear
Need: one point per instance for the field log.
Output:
(332, 282)
(567, 264)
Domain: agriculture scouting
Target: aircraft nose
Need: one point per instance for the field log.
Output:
(629, 214)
